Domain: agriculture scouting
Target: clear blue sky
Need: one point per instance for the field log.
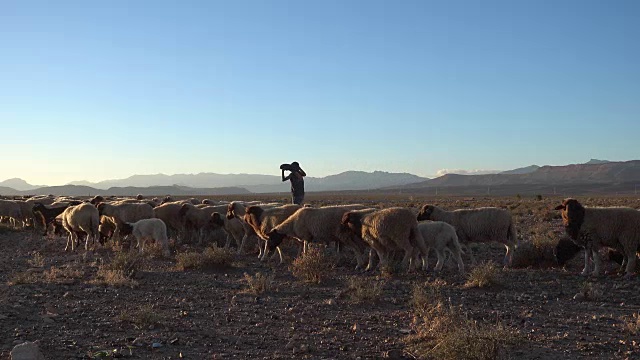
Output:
(106, 89)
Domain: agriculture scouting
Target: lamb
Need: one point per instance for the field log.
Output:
(441, 236)
(593, 228)
(233, 227)
(124, 212)
(263, 220)
(145, 229)
(477, 225)
(81, 218)
(319, 225)
(47, 214)
(388, 229)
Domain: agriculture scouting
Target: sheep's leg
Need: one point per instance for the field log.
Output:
(508, 256)
(587, 261)
(631, 262)
(458, 257)
(68, 241)
(370, 265)
(241, 244)
(597, 261)
(440, 262)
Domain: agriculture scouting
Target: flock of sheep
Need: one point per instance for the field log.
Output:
(361, 229)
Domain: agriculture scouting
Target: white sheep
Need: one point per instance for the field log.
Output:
(318, 225)
(388, 229)
(148, 229)
(441, 237)
(477, 225)
(593, 228)
(81, 218)
(125, 212)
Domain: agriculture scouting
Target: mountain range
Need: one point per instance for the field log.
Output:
(595, 176)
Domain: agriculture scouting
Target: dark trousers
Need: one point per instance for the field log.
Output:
(297, 199)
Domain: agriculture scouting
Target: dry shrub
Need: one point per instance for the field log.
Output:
(259, 283)
(37, 260)
(211, 258)
(142, 318)
(154, 251)
(443, 331)
(483, 275)
(310, 266)
(363, 290)
(120, 271)
(64, 275)
(632, 324)
(592, 291)
(25, 277)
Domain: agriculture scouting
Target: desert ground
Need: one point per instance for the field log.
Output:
(108, 302)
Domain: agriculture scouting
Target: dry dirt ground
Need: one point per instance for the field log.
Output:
(51, 296)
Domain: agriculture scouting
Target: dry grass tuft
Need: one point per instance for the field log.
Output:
(259, 283)
(25, 277)
(63, 275)
(483, 275)
(443, 331)
(633, 324)
(363, 290)
(211, 258)
(37, 260)
(120, 271)
(311, 266)
(143, 318)
(153, 251)
(592, 291)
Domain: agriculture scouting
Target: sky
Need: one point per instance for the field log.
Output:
(94, 90)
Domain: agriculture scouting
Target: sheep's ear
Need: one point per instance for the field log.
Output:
(560, 207)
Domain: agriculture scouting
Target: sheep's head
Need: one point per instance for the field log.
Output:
(216, 219)
(274, 239)
(139, 197)
(101, 207)
(425, 212)
(572, 216)
(252, 216)
(184, 209)
(565, 250)
(126, 229)
(37, 207)
(231, 210)
(352, 221)
(96, 200)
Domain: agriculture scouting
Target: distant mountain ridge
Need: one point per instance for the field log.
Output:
(348, 180)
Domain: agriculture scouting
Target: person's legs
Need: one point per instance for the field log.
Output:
(298, 199)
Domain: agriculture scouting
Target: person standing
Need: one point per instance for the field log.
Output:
(297, 181)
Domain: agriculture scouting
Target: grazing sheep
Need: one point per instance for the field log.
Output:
(593, 228)
(106, 228)
(146, 229)
(477, 225)
(441, 236)
(566, 250)
(196, 219)
(125, 212)
(263, 220)
(81, 218)
(386, 230)
(233, 227)
(170, 214)
(47, 214)
(237, 209)
(318, 225)
(11, 209)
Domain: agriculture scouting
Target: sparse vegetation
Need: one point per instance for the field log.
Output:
(142, 318)
(443, 331)
(120, 271)
(211, 258)
(37, 260)
(311, 266)
(362, 290)
(483, 275)
(259, 283)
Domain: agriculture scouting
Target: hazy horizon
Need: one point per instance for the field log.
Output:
(95, 91)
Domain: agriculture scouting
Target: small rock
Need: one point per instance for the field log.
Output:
(67, 295)
(27, 351)
(304, 348)
(156, 345)
(290, 345)
(331, 302)
(579, 297)
(395, 354)
(48, 320)
(405, 331)
(355, 327)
